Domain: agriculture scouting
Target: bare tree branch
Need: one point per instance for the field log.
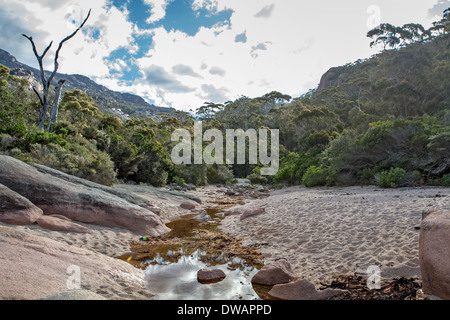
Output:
(61, 44)
(39, 59)
(39, 96)
(46, 49)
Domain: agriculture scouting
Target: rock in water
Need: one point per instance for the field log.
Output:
(434, 253)
(210, 275)
(302, 290)
(15, 209)
(276, 273)
(78, 202)
(202, 216)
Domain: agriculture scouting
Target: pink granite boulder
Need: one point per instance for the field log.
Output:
(275, 273)
(15, 209)
(434, 253)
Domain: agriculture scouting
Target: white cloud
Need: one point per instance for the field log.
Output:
(283, 45)
(158, 10)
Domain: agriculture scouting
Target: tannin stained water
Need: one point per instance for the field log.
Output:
(171, 269)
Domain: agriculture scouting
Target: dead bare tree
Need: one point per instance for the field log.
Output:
(46, 83)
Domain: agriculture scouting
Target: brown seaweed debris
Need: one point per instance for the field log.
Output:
(397, 289)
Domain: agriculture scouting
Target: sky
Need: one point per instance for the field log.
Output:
(183, 53)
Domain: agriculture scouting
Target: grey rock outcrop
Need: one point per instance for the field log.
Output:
(332, 78)
(82, 202)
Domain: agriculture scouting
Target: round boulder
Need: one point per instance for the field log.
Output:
(276, 273)
(210, 275)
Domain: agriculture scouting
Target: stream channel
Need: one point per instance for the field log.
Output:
(171, 262)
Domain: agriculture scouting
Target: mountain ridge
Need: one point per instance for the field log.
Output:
(123, 105)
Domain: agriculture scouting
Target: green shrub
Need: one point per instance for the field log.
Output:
(7, 142)
(219, 174)
(256, 178)
(391, 178)
(293, 167)
(411, 179)
(82, 161)
(178, 180)
(446, 180)
(45, 138)
(315, 176)
(195, 174)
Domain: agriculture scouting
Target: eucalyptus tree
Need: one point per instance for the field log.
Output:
(386, 34)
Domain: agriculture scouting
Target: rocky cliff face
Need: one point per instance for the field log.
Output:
(108, 100)
(332, 78)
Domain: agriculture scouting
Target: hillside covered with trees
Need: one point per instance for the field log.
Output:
(384, 120)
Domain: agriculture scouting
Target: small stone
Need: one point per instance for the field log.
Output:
(188, 205)
(202, 216)
(206, 276)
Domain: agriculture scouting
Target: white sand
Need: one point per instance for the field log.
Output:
(327, 231)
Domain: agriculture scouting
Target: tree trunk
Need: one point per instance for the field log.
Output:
(55, 107)
(44, 109)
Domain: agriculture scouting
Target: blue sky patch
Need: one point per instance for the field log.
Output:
(181, 17)
(241, 37)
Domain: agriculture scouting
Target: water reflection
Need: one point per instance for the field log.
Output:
(171, 266)
(178, 281)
